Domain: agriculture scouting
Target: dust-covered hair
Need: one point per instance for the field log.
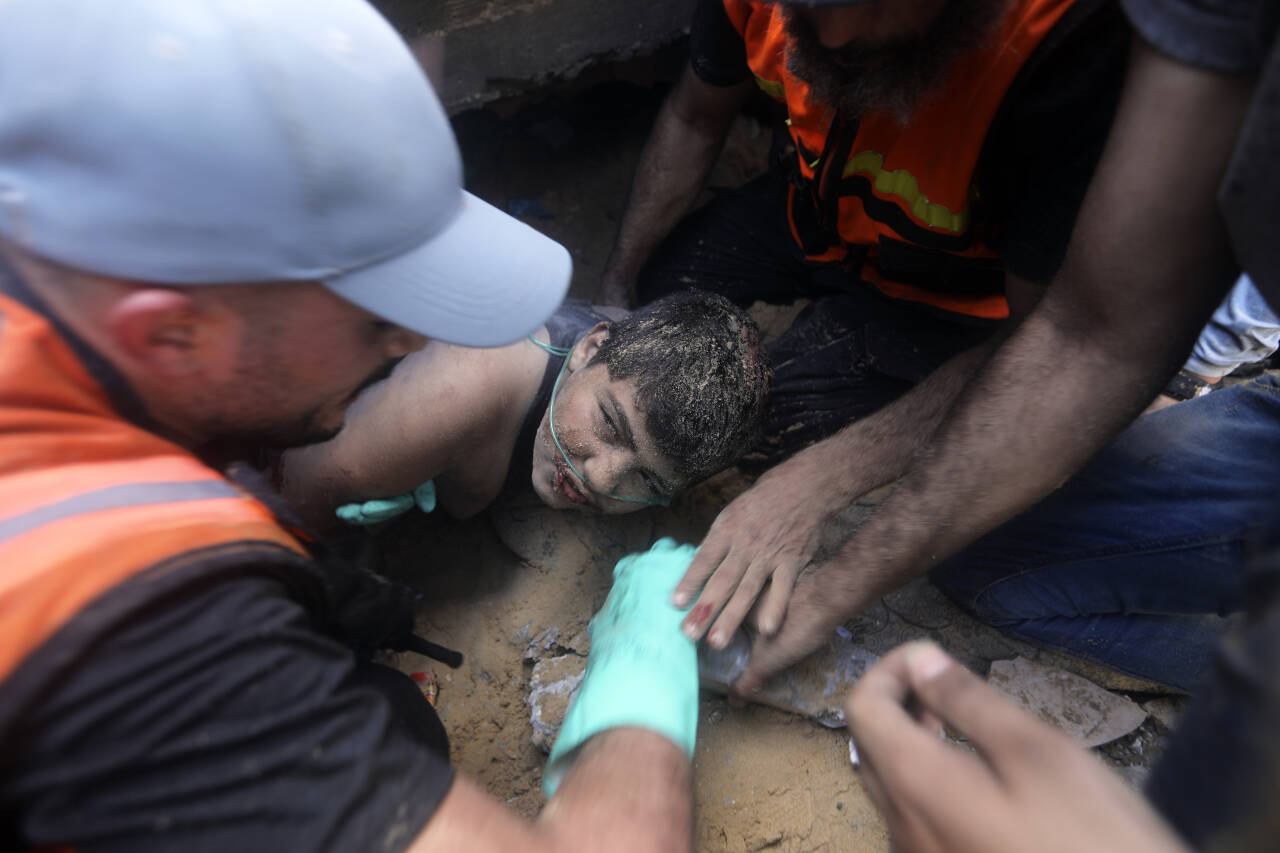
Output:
(702, 377)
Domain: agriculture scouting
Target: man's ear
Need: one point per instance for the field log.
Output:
(162, 329)
(585, 349)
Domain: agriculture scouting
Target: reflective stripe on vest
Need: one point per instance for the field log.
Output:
(88, 500)
(115, 497)
(907, 184)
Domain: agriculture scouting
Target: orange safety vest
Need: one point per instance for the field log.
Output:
(905, 195)
(88, 501)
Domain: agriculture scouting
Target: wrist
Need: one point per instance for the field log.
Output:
(1186, 385)
(630, 686)
(832, 468)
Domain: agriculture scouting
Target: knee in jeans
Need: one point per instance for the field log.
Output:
(975, 596)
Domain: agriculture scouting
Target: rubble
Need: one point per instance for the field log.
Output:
(1086, 712)
(552, 685)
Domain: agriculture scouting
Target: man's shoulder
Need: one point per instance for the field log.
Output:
(474, 389)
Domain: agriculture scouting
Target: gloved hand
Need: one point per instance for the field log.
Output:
(642, 670)
(385, 509)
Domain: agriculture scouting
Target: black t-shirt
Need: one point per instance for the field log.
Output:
(219, 720)
(1044, 143)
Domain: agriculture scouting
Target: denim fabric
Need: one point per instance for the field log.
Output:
(1134, 562)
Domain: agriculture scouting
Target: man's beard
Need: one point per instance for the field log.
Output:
(858, 78)
(267, 431)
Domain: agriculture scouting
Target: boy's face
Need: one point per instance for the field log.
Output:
(606, 437)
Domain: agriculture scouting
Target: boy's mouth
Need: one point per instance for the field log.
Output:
(566, 484)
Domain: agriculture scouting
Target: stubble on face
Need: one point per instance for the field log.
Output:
(271, 407)
(895, 76)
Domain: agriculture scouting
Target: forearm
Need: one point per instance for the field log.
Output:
(673, 169)
(309, 486)
(1043, 404)
(877, 449)
(1148, 261)
(630, 791)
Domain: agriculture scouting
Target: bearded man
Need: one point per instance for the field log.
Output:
(935, 153)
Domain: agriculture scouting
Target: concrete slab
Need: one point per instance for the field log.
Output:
(1090, 715)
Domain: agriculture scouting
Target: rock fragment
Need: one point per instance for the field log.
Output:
(1087, 713)
(552, 685)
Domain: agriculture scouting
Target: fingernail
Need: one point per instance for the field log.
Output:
(926, 661)
(690, 630)
(716, 640)
(767, 627)
(680, 599)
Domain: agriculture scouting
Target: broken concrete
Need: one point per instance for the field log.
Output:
(1090, 715)
(552, 686)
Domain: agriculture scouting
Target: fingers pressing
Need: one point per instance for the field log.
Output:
(744, 596)
(774, 604)
(705, 561)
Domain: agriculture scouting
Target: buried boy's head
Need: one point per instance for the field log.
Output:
(651, 404)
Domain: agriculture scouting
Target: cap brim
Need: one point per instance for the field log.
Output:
(485, 280)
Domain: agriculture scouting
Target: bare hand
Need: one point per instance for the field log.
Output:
(824, 599)
(765, 536)
(1027, 788)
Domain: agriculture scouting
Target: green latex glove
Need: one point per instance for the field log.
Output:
(385, 509)
(642, 670)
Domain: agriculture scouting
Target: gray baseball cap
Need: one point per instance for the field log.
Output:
(192, 142)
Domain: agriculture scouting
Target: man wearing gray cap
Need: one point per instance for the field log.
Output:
(218, 221)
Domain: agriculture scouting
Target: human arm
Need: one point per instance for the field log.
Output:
(400, 433)
(683, 146)
(629, 791)
(619, 774)
(758, 544)
(1035, 167)
(1148, 260)
(1244, 329)
(1026, 786)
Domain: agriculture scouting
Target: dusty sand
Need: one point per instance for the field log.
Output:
(765, 779)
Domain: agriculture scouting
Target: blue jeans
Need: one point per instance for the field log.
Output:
(1134, 562)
